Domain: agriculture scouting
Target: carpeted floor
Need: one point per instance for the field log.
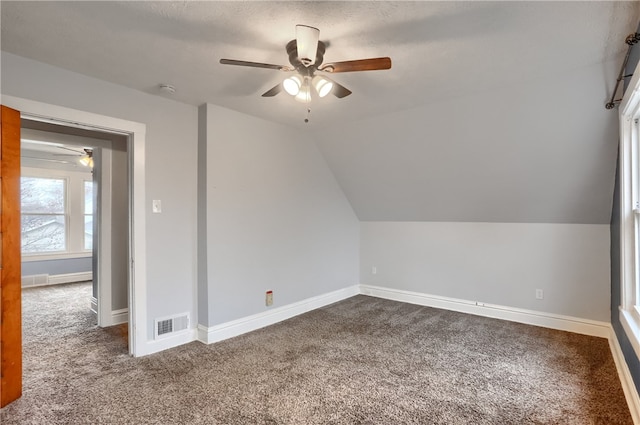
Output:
(361, 361)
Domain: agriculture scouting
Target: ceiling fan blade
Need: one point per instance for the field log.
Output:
(58, 161)
(255, 64)
(340, 91)
(272, 92)
(372, 64)
(70, 149)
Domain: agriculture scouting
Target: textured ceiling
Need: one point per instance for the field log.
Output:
(438, 49)
(469, 124)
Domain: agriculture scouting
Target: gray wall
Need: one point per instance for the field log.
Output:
(616, 289)
(52, 267)
(203, 270)
(276, 218)
(119, 227)
(169, 159)
(112, 204)
(495, 263)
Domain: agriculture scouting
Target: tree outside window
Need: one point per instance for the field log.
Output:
(44, 227)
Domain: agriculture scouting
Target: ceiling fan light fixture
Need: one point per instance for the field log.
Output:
(306, 55)
(87, 161)
(292, 85)
(307, 43)
(322, 85)
(304, 95)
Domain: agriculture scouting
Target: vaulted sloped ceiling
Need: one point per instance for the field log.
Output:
(493, 111)
(541, 151)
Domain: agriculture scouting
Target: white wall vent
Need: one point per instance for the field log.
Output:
(167, 325)
(35, 280)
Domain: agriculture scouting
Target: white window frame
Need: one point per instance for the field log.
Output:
(84, 214)
(66, 213)
(74, 214)
(630, 211)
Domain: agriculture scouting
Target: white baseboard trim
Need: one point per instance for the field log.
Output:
(529, 317)
(119, 316)
(31, 281)
(70, 277)
(156, 345)
(629, 388)
(237, 327)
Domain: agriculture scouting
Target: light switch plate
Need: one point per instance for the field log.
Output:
(156, 206)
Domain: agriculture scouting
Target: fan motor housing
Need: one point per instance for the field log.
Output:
(292, 51)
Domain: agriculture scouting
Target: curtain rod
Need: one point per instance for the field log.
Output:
(630, 40)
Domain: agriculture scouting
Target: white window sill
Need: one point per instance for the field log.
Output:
(26, 258)
(630, 320)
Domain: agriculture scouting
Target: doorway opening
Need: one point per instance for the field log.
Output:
(13, 110)
(135, 135)
(75, 227)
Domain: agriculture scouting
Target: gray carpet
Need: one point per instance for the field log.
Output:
(361, 361)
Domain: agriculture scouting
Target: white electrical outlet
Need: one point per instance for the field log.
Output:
(539, 294)
(374, 270)
(269, 298)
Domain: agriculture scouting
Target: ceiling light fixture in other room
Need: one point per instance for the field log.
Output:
(87, 160)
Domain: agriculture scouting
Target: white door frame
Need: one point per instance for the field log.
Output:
(102, 237)
(136, 133)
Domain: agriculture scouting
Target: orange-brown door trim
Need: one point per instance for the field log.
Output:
(10, 273)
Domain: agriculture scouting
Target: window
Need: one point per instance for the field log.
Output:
(88, 215)
(44, 218)
(57, 214)
(630, 211)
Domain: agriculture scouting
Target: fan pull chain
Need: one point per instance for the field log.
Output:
(308, 113)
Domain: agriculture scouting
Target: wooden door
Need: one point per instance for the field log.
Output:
(10, 275)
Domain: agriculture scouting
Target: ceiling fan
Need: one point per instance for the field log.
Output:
(306, 54)
(86, 157)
